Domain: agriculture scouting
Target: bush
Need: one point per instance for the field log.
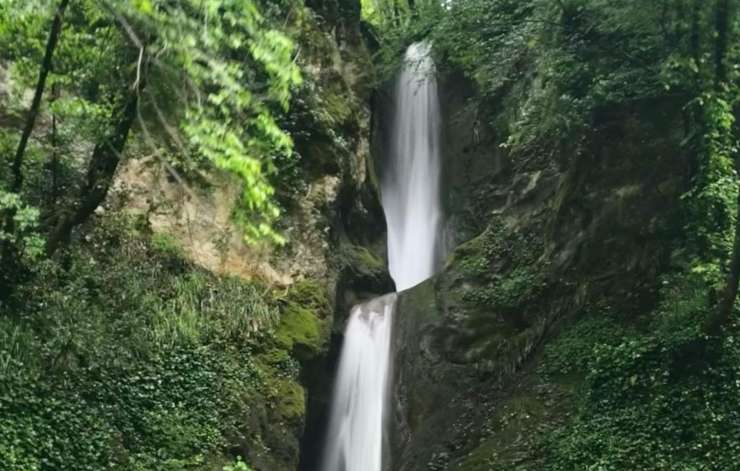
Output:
(662, 397)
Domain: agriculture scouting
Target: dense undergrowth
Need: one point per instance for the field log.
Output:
(122, 355)
(656, 394)
(610, 390)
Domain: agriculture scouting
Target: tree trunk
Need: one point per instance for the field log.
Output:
(103, 164)
(54, 169)
(695, 34)
(729, 294)
(56, 29)
(723, 24)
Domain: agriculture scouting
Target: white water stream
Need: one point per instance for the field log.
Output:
(410, 182)
(411, 201)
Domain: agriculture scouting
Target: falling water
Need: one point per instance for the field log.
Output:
(410, 196)
(356, 427)
(410, 183)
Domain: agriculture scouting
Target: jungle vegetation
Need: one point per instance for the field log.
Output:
(116, 352)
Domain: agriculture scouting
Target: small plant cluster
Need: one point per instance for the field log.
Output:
(506, 264)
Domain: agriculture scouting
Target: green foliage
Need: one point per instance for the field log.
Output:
(560, 62)
(387, 13)
(25, 237)
(711, 202)
(661, 397)
(216, 78)
(167, 246)
(505, 264)
(395, 25)
(131, 358)
(238, 465)
(643, 411)
(230, 120)
(80, 91)
(572, 352)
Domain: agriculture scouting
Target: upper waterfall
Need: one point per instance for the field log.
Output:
(410, 181)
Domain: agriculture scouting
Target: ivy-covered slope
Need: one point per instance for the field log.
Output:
(130, 357)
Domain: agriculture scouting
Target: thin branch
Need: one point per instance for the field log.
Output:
(138, 68)
(155, 150)
(124, 24)
(171, 131)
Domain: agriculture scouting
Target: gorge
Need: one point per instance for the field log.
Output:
(377, 235)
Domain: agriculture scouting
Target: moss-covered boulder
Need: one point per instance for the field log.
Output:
(362, 275)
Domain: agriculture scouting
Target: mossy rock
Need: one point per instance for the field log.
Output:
(305, 314)
(301, 332)
(339, 108)
(365, 269)
(512, 436)
(277, 413)
(362, 261)
(290, 401)
(362, 276)
(311, 294)
(470, 257)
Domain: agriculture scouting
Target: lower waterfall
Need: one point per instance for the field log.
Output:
(357, 414)
(411, 202)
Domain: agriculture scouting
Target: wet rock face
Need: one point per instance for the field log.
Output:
(538, 238)
(473, 161)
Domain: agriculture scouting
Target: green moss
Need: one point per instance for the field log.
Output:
(509, 291)
(280, 387)
(311, 294)
(166, 245)
(339, 108)
(362, 261)
(512, 436)
(470, 257)
(305, 314)
(290, 400)
(501, 267)
(301, 331)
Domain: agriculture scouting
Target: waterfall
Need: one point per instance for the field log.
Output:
(410, 197)
(356, 427)
(410, 180)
